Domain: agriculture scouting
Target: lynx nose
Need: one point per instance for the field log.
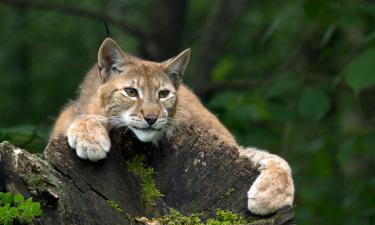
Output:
(150, 113)
(151, 119)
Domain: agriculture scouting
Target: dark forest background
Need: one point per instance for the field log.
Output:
(294, 77)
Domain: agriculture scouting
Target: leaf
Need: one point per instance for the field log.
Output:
(327, 35)
(29, 201)
(18, 198)
(223, 69)
(281, 112)
(360, 73)
(313, 103)
(6, 198)
(349, 149)
(280, 88)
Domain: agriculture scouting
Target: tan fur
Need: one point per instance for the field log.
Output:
(273, 188)
(191, 111)
(107, 100)
(63, 121)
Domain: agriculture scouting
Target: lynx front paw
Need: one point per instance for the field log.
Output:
(273, 188)
(90, 139)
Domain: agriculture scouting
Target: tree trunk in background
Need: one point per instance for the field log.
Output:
(195, 173)
(167, 27)
(167, 24)
(22, 58)
(211, 42)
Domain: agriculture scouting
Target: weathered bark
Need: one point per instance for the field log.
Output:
(195, 172)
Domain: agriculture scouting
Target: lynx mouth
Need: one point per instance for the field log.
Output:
(146, 134)
(146, 129)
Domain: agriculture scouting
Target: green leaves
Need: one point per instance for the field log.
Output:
(284, 87)
(313, 103)
(13, 207)
(31, 137)
(6, 198)
(18, 199)
(223, 69)
(360, 73)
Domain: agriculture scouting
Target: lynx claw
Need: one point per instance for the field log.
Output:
(92, 152)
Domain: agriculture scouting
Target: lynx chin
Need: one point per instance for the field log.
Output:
(149, 99)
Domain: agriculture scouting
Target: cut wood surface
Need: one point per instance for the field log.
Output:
(195, 172)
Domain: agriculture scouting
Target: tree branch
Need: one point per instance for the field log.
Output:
(238, 85)
(77, 11)
(212, 88)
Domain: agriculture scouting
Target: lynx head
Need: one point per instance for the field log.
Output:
(137, 94)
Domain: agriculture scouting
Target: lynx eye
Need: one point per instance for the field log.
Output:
(131, 92)
(163, 93)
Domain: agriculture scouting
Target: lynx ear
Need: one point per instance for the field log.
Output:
(175, 67)
(110, 58)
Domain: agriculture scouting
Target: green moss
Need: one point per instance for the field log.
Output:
(229, 192)
(222, 217)
(176, 218)
(120, 210)
(226, 218)
(150, 194)
(36, 181)
(149, 191)
(115, 206)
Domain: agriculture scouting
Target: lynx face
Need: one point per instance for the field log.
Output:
(140, 95)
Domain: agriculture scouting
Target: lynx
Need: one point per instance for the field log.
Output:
(150, 99)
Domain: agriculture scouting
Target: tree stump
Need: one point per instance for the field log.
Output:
(194, 171)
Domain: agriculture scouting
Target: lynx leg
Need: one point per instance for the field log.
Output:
(273, 188)
(63, 121)
(89, 138)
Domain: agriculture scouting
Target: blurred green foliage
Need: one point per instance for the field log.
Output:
(308, 67)
(14, 209)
